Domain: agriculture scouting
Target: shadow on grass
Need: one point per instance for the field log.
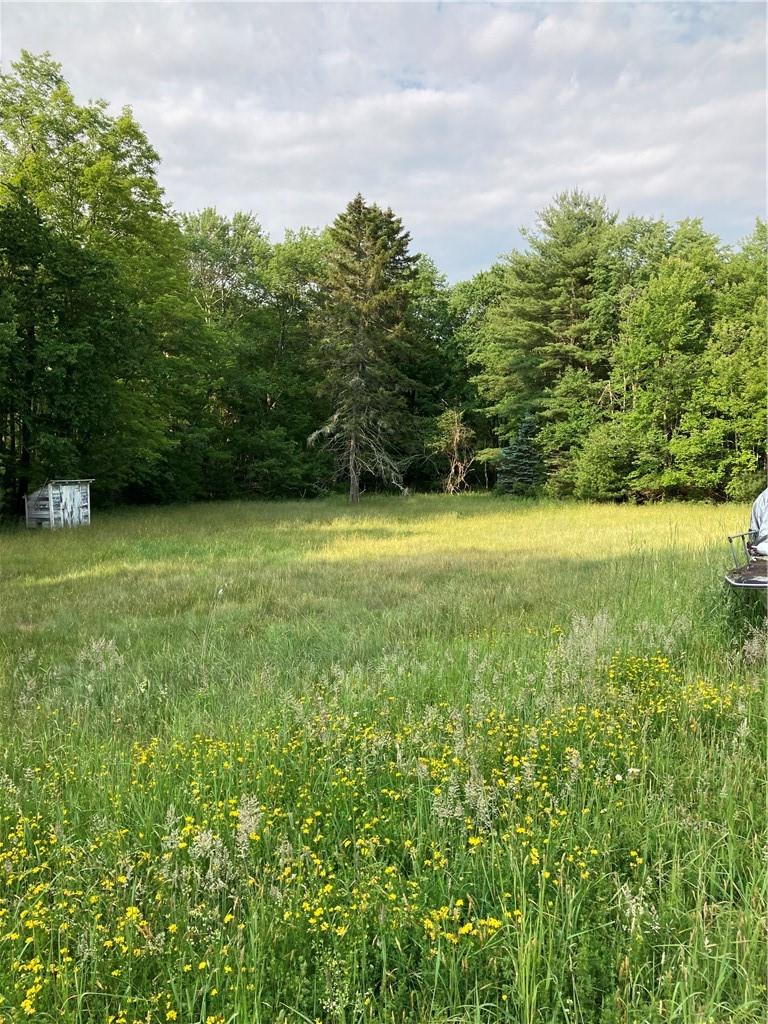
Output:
(344, 608)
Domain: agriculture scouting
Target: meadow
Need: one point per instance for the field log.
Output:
(427, 760)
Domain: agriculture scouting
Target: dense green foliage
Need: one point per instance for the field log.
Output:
(520, 466)
(637, 350)
(429, 760)
(363, 343)
(176, 357)
(90, 178)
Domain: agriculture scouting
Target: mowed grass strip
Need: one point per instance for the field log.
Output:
(430, 759)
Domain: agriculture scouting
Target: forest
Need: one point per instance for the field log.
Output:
(183, 356)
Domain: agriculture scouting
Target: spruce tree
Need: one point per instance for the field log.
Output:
(521, 468)
(364, 343)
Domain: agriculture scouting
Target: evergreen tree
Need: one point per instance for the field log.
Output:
(520, 467)
(629, 256)
(190, 357)
(540, 325)
(364, 344)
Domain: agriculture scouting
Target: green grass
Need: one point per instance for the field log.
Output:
(427, 760)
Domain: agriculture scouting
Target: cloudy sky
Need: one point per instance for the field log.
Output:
(465, 118)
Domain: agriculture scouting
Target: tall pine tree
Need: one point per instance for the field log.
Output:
(540, 324)
(364, 344)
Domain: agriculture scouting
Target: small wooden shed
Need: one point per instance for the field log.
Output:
(59, 503)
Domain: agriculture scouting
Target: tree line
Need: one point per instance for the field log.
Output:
(187, 356)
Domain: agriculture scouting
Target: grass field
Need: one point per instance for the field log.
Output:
(427, 760)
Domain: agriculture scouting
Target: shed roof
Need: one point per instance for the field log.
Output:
(80, 480)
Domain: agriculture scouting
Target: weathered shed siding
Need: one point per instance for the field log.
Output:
(59, 503)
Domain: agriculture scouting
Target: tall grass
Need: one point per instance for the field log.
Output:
(427, 760)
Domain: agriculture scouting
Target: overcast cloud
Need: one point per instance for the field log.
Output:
(465, 118)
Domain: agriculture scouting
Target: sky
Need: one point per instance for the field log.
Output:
(465, 118)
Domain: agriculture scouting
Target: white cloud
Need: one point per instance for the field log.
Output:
(558, 35)
(498, 33)
(464, 118)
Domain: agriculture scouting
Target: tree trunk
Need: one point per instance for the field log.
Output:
(24, 438)
(24, 466)
(8, 495)
(354, 474)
